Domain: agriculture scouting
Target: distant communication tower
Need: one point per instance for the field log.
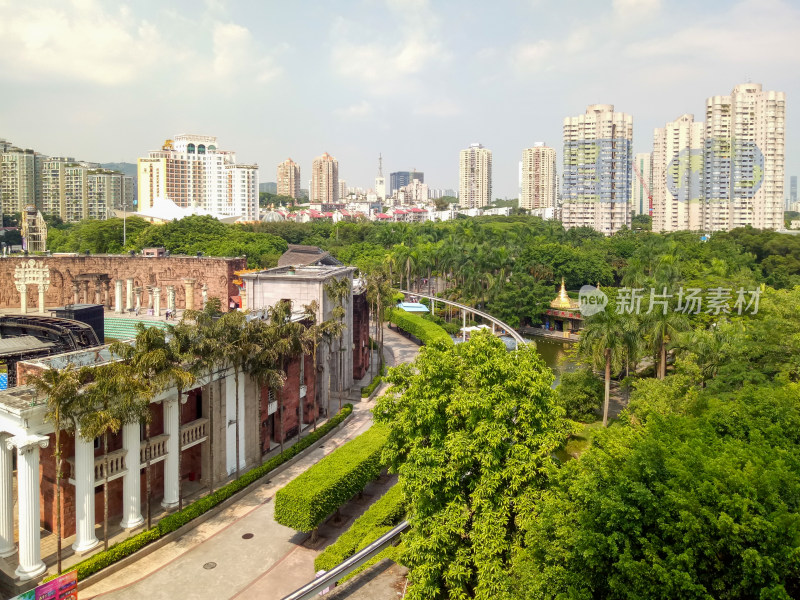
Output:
(380, 165)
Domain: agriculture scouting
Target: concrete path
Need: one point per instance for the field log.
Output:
(219, 559)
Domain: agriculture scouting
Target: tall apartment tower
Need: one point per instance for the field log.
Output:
(538, 177)
(597, 169)
(17, 179)
(324, 180)
(640, 202)
(475, 177)
(678, 195)
(193, 172)
(792, 193)
(744, 158)
(289, 179)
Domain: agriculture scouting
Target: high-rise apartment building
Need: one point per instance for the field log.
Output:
(401, 179)
(792, 193)
(744, 153)
(597, 169)
(642, 188)
(538, 177)
(342, 190)
(678, 201)
(17, 179)
(193, 172)
(475, 177)
(324, 180)
(289, 179)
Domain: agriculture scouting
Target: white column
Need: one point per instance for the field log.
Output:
(171, 428)
(7, 545)
(204, 291)
(85, 539)
(157, 301)
(129, 294)
(23, 298)
(41, 297)
(118, 296)
(30, 553)
(131, 481)
(171, 298)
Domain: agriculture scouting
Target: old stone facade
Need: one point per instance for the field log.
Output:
(98, 279)
(360, 335)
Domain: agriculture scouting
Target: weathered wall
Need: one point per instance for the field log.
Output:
(218, 273)
(360, 335)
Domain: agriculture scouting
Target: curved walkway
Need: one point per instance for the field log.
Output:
(270, 564)
(495, 321)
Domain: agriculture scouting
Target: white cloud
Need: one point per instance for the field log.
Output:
(536, 56)
(106, 45)
(362, 109)
(438, 107)
(636, 7)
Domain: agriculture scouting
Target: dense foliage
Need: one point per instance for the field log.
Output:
(378, 519)
(580, 393)
(305, 502)
(425, 331)
(471, 429)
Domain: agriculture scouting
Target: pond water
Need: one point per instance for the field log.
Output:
(553, 352)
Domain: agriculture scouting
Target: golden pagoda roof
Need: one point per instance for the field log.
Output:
(563, 301)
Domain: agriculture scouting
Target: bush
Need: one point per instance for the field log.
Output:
(170, 523)
(368, 389)
(451, 327)
(581, 394)
(312, 496)
(425, 331)
(379, 518)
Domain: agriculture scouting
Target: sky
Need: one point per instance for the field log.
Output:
(413, 80)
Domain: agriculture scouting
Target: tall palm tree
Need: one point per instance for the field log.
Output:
(263, 367)
(61, 389)
(339, 291)
(115, 396)
(603, 343)
(314, 337)
(661, 327)
(150, 360)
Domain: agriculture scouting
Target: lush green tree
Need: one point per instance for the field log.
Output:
(642, 222)
(679, 507)
(580, 393)
(472, 428)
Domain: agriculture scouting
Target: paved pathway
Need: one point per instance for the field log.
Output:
(271, 563)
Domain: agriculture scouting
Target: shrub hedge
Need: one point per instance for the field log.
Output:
(316, 493)
(426, 332)
(170, 523)
(368, 389)
(379, 518)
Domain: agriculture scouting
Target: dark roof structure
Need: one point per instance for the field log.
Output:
(298, 256)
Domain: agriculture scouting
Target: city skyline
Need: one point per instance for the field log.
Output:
(535, 74)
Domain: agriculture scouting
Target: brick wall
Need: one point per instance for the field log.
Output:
(218, 273)
(360, 335)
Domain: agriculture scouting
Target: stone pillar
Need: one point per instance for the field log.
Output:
(107, 293)
(85, 539)
(129, 294)
(171, 428)
(131, 481)
(189, 283)
(22, 288)
(171, 298)
(464, 330)
(138, 293)
(204, 290)
(157, 301)
(118, 296)
(76, 292)
(7, 545)
(86, 292)
(41, 297)
(98, 292)
(30, 552)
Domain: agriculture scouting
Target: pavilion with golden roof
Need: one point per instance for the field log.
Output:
(564, 314)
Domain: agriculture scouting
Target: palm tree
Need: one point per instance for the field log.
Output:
(339, 291)
(263, 367)
(603, 343)
(313, 335)
(660, 327)
(115, 396)
(150, 360)
(61, 389)
(207, 353)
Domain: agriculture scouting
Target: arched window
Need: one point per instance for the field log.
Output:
(190, 149)
(201, 149)
(212, 147)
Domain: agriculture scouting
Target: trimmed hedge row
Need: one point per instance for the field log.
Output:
(425, 331)
(379, 518)
(368, 389)
(316, 493)
(170, 523)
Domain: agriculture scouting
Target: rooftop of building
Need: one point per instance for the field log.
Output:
(299, 255)
(303, 272)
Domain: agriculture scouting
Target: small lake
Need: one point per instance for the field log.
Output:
(553, 352)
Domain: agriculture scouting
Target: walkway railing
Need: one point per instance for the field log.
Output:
(497, 322)
(329, 579)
